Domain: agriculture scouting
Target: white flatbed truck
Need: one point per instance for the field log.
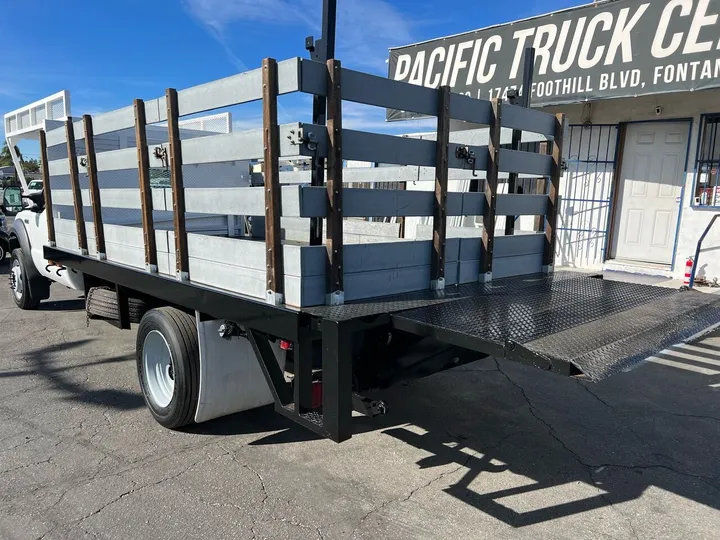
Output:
(230, 320)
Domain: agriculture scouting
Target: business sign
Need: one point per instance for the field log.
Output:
(610, 49)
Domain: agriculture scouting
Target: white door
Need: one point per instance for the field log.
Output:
(651, 181)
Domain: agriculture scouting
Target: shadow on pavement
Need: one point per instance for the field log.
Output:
(41, 364)
(74, 304)
(258, 421)
(656, 427)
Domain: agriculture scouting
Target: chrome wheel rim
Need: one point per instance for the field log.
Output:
(158, 369)
(16, 283)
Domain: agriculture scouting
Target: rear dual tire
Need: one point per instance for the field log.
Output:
(102, 302)
(168, 365)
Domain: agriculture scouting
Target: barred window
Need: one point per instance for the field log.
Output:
(707, 187)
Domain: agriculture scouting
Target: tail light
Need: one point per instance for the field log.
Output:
(317, 400)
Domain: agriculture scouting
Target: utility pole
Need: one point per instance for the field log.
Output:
(321, 50)
(524, 101)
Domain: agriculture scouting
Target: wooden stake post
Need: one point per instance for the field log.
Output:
(46, 189)
(437, 276)
(336, 292)
(75, 186)
(271, 139)
(182, 260)
(146, 204)
(92, 173)
(491, 184)
(551, 227)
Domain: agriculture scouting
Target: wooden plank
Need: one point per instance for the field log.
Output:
(55, 137)
(520, 265)
(177, 185)
(491, 182)
(379, 283)
(392, 255)
(128, 198)
(469, 109)
(437, 274)
(46, 188)
(233, 90)
(519, 244)
(93, 185)
(271, 140)
(75, 185)
(521, 205)
(367, 202)
(334, 241)
(552, 215)
(391, 149)
(236, 89)
(516, 161)
(379, 91)
(525, 119)
(146, 203)
(236, 146)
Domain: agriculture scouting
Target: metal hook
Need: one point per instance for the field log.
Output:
(464, 152)
(160, 153)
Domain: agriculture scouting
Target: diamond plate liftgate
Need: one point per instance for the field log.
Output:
(586, 191)
(569, 323)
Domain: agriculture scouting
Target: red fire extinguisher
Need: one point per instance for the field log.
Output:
(688, 271)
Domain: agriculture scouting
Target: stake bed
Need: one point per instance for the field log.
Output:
(569, 323)
(188, 231)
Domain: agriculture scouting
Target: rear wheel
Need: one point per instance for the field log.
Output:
(168, 364)
(24, 292)
(102, 302)
(3, 252)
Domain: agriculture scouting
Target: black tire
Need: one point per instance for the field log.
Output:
(28, 296)
(3, 253)
(180, 335)
(102, 302)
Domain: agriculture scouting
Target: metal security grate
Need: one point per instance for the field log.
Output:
(707, 191)
(586, 194)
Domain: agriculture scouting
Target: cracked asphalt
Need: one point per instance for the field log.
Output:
(490, 450)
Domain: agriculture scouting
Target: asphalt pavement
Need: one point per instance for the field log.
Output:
(489, 450)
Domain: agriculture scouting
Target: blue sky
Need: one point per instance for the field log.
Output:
(108, 52)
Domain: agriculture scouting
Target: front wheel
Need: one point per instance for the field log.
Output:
(22, 288)
(3, 253)
(168, 364)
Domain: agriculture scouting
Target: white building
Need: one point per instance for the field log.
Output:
(639, 83)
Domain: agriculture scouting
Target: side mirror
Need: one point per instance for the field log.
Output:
(12, 200)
